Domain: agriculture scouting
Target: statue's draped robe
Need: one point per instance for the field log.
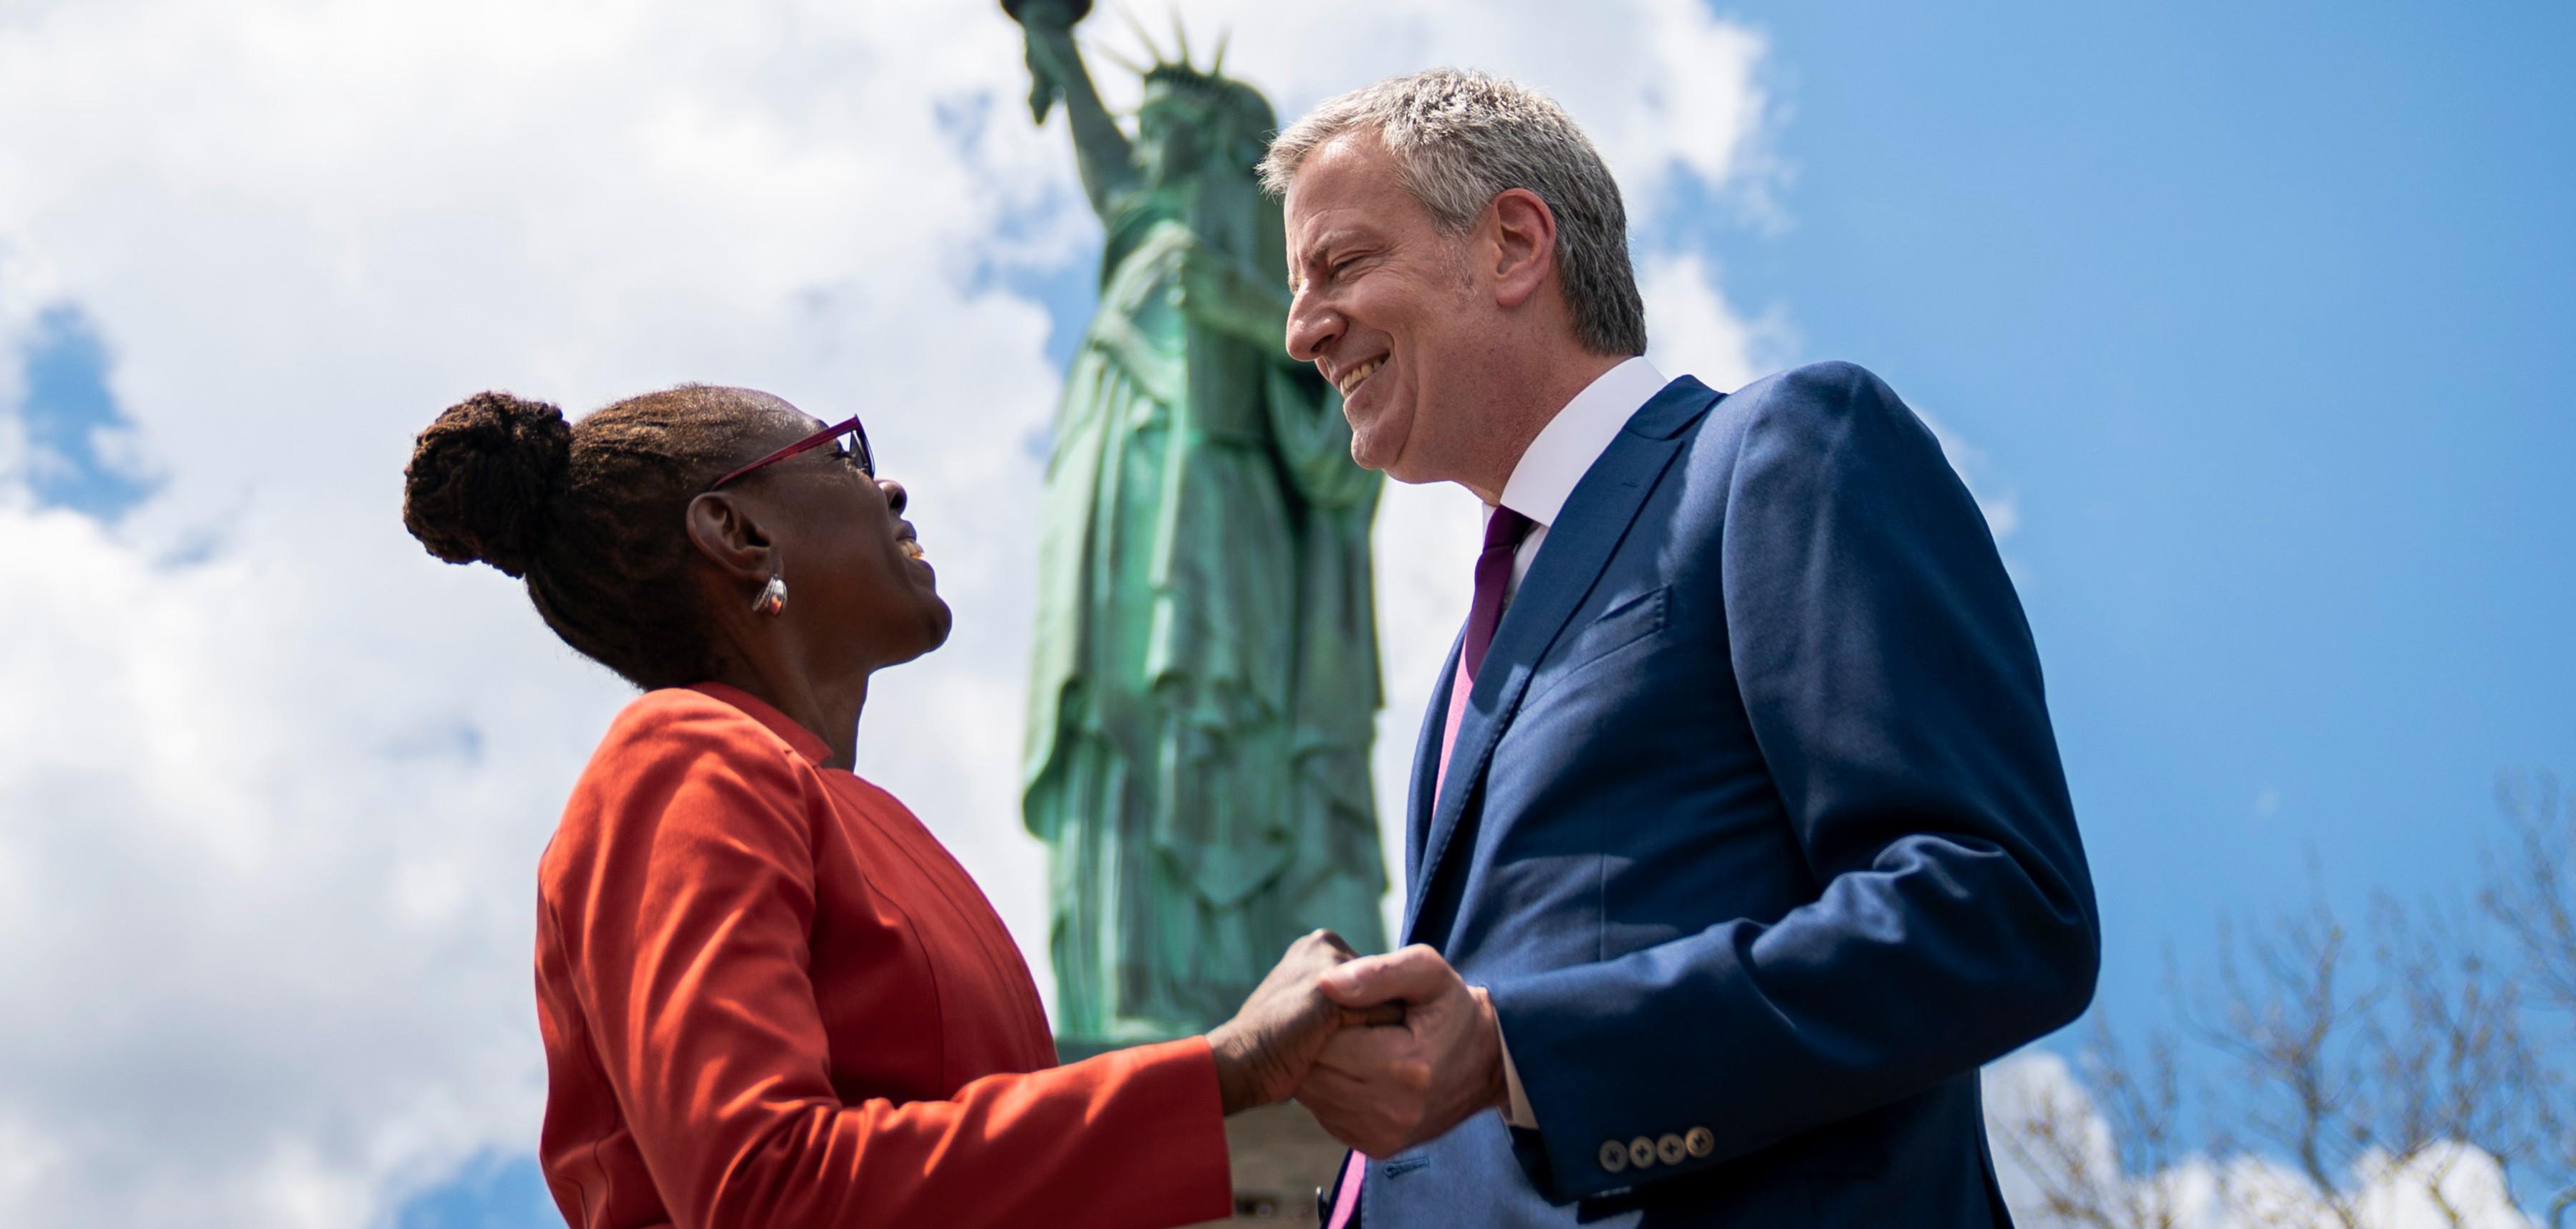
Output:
(1206, 676)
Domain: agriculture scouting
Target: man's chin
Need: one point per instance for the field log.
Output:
(1403, 467)
(1373, 450)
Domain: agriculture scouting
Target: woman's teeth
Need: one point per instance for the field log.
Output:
(911, 548)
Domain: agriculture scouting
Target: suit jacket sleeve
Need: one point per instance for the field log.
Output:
(1893, 689)
(684, 938)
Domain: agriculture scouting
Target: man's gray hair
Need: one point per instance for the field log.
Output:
(1460, 139)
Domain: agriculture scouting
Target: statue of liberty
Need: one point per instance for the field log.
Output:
(1205, 682)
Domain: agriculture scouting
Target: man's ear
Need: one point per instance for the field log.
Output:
(1524, 245)
(727, 533)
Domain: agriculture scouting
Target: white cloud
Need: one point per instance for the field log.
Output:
(269, 813)
(2236, 1192)
(1691, 327)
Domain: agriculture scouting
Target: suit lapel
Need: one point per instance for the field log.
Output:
(1426, 767)
(1578, 546)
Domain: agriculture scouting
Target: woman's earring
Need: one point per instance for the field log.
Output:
(773, 597)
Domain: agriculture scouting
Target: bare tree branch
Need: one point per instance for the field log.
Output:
(2530, 891)
(2356, 1064)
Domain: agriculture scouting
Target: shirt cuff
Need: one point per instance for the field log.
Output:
(1520, 1114)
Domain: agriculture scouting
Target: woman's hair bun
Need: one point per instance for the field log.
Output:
(483, 479)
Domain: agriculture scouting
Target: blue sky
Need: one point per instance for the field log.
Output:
(70, 414)
(2259, 312)
(2250, 313)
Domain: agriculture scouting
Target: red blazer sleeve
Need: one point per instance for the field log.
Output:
(681, 931)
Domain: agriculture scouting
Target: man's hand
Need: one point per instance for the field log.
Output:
(1273, 1039)
(1384, 1089)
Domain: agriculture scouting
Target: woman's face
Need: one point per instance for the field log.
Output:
(854, 569)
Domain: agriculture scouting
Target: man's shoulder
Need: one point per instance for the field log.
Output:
(1812, 408)
(1832, 386)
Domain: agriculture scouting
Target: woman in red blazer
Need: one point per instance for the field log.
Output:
(769, 997)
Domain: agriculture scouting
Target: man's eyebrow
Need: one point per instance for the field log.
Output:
(1314, 251)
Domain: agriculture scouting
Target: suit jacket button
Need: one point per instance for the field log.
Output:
(1641, 1152)
(1700, 1141)
(1614, 1155)
(1669, 1150)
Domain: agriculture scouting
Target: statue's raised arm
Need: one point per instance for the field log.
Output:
(1203, 682)
(1056, 71)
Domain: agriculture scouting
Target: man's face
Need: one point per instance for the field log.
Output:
(1386, 308)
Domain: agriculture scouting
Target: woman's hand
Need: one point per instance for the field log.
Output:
(1264, 1051)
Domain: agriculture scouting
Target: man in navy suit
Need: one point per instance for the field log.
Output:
(1738, 839)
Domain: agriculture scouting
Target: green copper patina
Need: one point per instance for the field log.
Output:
(1205, 683)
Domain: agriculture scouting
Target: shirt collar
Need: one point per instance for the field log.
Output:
(803, 741)
(1570, 442)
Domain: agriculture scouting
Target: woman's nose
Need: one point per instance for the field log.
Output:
(895, 498)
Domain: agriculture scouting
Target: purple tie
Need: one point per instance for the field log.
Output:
(1503, 533)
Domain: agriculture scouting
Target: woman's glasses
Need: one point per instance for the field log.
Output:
(851, 438)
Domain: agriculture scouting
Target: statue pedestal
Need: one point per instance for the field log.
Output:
(1280, 1157)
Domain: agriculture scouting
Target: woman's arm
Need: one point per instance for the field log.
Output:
(682, 934)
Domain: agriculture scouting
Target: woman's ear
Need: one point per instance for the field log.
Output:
(727, 532)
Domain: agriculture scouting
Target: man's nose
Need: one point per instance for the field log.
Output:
(895, 498)
(1311, 327)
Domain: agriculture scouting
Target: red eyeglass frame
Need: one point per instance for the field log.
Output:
(866, 458)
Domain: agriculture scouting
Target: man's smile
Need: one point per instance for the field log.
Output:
(1348, 381)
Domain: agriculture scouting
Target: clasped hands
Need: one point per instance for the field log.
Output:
(1386, 1051)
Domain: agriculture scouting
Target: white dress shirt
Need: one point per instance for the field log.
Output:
(1566, 448)
(1563, 452)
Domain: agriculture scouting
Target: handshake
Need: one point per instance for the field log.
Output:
(1386, 1051)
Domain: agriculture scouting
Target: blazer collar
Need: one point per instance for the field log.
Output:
(803, 741)
(1596, 516)
(1426, 765)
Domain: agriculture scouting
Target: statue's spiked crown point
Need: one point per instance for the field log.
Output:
(1177, 71)
(1182, 75)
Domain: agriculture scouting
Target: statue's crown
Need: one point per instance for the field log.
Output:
(1184, 76)
(1177, 72)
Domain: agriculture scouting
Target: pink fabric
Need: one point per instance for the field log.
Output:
(1346, 1201)
(1458, 688)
